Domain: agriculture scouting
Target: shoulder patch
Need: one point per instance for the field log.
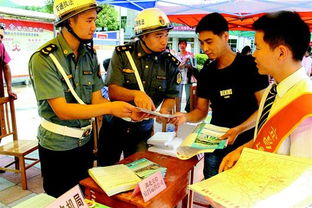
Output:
(124, 48)
(172, 58)
(90, 49)
(48, 49)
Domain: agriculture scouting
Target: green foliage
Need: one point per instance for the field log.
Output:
(48, 8)
(107, 18)
(201, 59)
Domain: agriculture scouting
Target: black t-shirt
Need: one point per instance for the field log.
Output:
(231, 90)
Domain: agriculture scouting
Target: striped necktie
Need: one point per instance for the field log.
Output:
(267, 106)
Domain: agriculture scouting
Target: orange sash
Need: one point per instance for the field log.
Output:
(283, 123)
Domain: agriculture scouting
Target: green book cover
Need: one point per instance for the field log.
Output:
(94, 204)
(207, 137)
(144, 168)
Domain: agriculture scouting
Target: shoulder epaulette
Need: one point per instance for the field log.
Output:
(48, 49)
(172, 58)
(124, 48)
(90, 49)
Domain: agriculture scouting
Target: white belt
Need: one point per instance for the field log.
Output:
(65, 130)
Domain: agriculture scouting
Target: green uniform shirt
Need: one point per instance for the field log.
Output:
(159, 73)
(48, 83)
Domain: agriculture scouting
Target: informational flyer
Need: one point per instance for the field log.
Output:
(155, 113)
(261, 179)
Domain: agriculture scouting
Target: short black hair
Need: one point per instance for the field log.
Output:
(213, 22)
(246, 49)
(287, 28)
(182, 41)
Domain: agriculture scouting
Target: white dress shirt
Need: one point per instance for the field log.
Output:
(299, 142)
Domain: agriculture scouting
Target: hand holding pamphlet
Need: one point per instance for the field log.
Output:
(155, 113)
(205, 138)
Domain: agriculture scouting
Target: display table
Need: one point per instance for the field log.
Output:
(179, 175)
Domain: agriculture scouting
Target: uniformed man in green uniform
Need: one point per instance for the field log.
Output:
(144, 74)
(67, 102)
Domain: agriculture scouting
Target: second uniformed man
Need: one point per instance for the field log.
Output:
(158, 77)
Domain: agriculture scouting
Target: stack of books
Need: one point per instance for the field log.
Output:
(119, 178)
(164, 143)
(144, 168)
(114, 179)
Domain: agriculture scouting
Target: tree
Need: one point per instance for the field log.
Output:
(108, 18)
(48, 8)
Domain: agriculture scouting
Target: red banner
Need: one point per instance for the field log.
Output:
(26, 26)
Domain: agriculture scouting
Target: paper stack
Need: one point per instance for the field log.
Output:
(164, 143)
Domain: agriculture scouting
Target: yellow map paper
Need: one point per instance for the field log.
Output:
(261, 179)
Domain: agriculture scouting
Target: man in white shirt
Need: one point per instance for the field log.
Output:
(281, 40)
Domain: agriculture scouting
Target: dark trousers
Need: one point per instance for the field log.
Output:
(213, 160)
(62, 170)
(117, 136)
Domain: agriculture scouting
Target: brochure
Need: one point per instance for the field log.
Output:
(155, 113)
(203, 139)
(206, 136)
(144, 168)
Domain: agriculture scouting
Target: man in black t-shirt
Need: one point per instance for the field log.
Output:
(231, 84)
